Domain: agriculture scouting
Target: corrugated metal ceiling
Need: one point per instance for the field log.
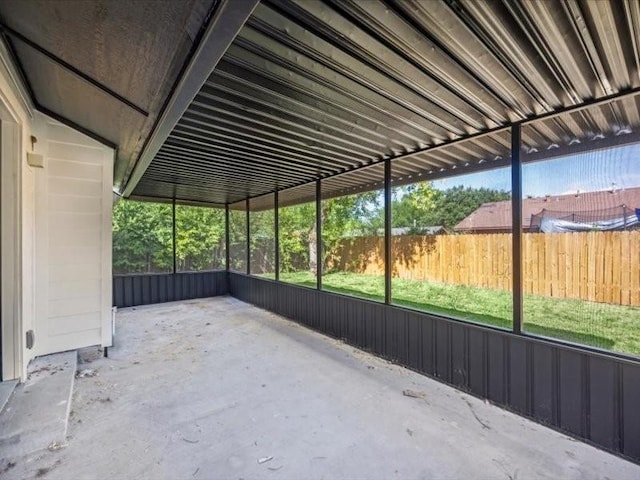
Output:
(311, 89)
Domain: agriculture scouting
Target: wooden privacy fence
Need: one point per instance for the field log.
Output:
(596, 266)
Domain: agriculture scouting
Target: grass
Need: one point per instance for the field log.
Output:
(611, 327)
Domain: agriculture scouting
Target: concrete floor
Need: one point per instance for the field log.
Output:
(216, 388)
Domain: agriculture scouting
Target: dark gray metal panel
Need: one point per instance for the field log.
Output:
(552, 383)
(604, 396)
(459, 356)
(443, 351)
(132, 290)
(399, 325)
(497, 371)
(390, 335)
(477, 362)
(571, 385)
(414, 333)
(544, 391)
(378, 330)
(630, 411)
(427, 344)
(518, 376)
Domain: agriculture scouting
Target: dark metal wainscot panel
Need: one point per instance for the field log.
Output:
(146, 289)
(588, 394)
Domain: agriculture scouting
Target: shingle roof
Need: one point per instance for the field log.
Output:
(497, 215)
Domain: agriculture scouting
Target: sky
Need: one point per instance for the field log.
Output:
(597, 170)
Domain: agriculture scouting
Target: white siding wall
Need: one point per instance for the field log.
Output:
(18, 221)
(56, 232)
(73, 241)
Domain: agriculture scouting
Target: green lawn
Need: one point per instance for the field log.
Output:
(611, 327)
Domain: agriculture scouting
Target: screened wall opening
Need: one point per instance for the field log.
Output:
(451, 231)
(142, 237)
(238, 237)
(297, 241)
(200, 239)
(581, 235)
(352, 218)
(262, 240)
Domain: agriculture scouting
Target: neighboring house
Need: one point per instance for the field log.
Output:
(495, 217)
(431, 230)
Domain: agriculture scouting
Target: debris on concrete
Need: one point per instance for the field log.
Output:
(41, 472)
(55, 446)
(264, 460)
(87, 372)
(484, 425)
(414, 394)
(7, 467)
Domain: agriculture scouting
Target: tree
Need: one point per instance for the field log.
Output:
(453, 205)
(200, 239)
(297, 227)
(349, 216)
(142, 237)
(420, 205)
(262, 241)
(412, 206)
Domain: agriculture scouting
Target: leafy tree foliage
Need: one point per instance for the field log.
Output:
(297, 231)
(420, 205)
(142, 237)
(238, 239)
(452, 206)
(262, 241)
(142, 232)
(199, 238)
(412, 206)
(349, 216)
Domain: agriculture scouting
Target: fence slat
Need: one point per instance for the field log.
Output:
(595, 266)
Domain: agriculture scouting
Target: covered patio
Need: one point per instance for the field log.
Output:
(249, 208)
(217, 388)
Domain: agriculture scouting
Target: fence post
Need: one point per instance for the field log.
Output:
(516, 230)
(387, 231)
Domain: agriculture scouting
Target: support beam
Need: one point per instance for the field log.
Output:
(227, 258)
(516, 219)
(276, 232)
(248, 239)
(387, 231)
(318, 235)
(173, 223)
(226, 22)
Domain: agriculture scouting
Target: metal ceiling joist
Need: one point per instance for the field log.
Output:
(227, 21)
(327, 89)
